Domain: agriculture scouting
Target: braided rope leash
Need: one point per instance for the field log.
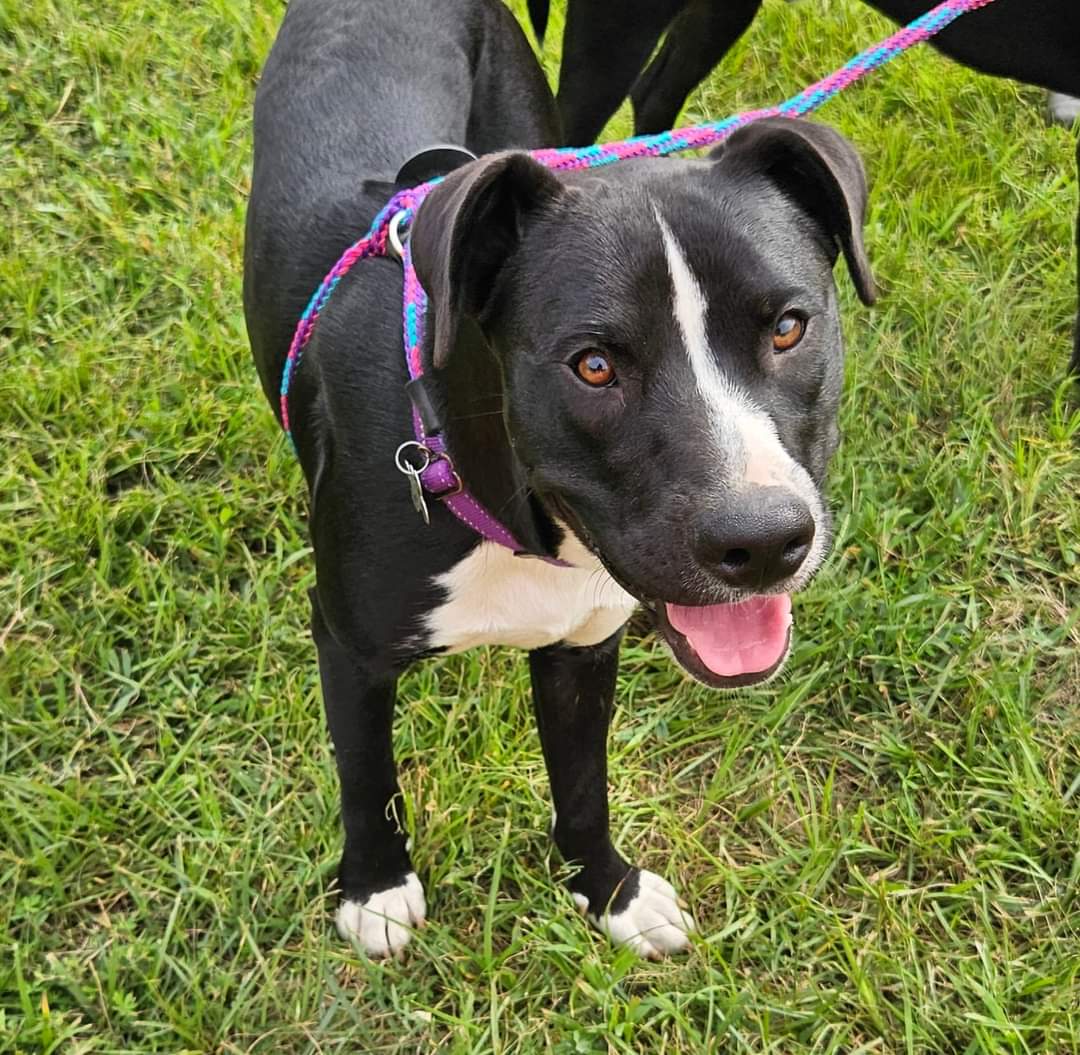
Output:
(438, 474)
(694, 136)
(372, 244)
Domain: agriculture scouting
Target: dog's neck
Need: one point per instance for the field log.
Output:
(472, 387)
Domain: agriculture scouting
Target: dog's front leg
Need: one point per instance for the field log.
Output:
(573, 693)
(381, 896)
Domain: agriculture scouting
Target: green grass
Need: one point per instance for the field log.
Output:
(881, 849)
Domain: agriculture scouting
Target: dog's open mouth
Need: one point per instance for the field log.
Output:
(725, 646)
(728, 645)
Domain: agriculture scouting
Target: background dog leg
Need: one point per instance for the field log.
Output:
(698, 39)
(1064, 109)
(573, 692)
(381, 896)
(1074, 365)
(605, 46)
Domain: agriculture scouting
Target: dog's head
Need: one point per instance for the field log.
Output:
(672, 360)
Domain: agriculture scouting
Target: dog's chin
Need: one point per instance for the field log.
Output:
(726, 645)
(687, 657)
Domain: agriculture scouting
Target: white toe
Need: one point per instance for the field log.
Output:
(381, 923)
(652, 924)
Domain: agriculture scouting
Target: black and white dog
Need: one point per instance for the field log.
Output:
(607, 45)
(640, 368)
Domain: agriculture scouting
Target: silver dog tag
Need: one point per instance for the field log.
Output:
(416, 490)
(412, 449)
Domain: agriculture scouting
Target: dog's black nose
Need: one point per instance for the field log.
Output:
(761, 539)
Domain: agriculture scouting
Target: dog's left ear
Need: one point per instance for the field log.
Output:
(820, 171)
(466, 229)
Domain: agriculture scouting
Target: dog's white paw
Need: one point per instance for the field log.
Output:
(381, 923)
(653, 924)
(1064, 109)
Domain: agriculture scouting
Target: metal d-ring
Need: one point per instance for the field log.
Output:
(394, 240)
(407, 467)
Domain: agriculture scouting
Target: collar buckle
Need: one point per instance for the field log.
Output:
(441, 480)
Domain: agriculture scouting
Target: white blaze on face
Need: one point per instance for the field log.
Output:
(745, 437)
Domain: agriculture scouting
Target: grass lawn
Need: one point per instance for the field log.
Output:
(881, 849)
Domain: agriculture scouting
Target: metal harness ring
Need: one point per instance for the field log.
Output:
(407, 467)
(394, 242)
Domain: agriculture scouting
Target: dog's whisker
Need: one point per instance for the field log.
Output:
(524, 489)
(479, 414)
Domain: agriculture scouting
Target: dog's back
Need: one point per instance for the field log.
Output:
(351, 89)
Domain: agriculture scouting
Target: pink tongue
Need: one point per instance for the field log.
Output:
(746, 637)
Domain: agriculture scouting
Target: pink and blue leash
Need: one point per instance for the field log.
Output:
(437, 475)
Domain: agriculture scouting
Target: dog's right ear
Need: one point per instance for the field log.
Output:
(466, 229)
(820, 171)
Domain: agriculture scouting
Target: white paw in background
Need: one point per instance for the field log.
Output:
(1064, 109)
(653, 924)
(381, 923)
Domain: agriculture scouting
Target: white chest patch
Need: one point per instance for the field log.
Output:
(495, 598)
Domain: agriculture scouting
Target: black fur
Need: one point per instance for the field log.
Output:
(538, 16)
(573, 695)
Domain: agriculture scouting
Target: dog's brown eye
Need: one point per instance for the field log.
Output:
(594, 368)
(789, 331)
